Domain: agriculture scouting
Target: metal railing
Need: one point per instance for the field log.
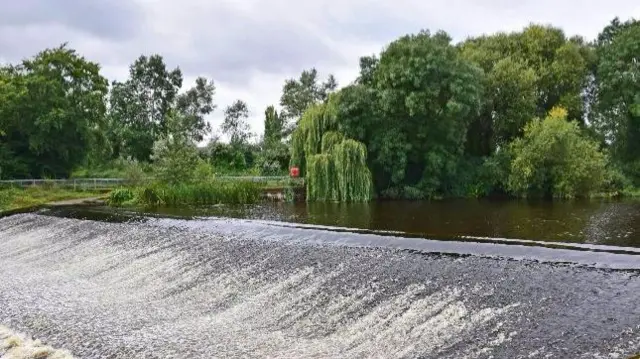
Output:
(108, 183)
(75, 183)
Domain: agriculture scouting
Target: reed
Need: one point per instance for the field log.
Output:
(207, 193)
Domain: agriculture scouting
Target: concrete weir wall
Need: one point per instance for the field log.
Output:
(226, 288)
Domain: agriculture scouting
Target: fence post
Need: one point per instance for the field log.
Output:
(95, 184)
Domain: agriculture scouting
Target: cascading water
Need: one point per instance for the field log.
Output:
(230, 288)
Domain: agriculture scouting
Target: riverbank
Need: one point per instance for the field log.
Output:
(18, 346)
(16, 199)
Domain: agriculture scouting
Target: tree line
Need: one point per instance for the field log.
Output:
(526, 113)
(532, 113)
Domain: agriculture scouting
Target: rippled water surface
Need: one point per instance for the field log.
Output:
(592, 222)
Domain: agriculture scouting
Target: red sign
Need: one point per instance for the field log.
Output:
(294, 172)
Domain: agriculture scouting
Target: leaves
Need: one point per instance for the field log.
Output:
(298, 95)
(52, 109)
(235, 123)
(555, 159)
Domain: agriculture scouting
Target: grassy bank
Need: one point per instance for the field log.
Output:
(16, 198)
(208, 193)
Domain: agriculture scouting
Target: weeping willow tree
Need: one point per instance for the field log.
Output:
(334, 167)
(352, 175)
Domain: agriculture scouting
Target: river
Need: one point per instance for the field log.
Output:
(291, 281)
(607, 222)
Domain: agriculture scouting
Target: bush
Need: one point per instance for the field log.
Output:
(134, 172)
(175, 159)
(203, 173)
(555, 159)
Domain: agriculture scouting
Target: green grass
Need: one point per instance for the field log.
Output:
(209, 193)
(17, 198)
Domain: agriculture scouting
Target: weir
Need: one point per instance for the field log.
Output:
(221, 288)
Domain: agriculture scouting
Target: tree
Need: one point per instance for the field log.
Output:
(275, 154)
(413, 116)
(298, 95)
(148, 106)
(193, 106)
(527, 74)
(140, 107)
(273, 127)
(617, 109)
(555, 159)
(335, 167)
(235, 123)
(175, 159)
(52, 107)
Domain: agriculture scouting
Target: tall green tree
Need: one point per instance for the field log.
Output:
(52, 106)
(273, 127)
(411, 109)
(148, 106)
(140, 107)
(617, 110)
(275, 154)
(235, 123)
(299, 94)
(527, 74)
(193, 106)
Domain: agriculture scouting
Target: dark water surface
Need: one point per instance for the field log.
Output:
(607, 222)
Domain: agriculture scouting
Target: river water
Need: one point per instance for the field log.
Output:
(607, 222)
(285, 282)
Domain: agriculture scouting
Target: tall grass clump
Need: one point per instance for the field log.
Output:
(204, 193)
(121, 196)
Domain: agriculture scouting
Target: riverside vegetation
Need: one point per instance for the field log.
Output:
(532, 113)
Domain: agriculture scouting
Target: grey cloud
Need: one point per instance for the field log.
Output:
(239, 46)
(115, 19)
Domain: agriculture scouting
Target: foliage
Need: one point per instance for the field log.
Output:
(130, 169)
(274, 156)
(617, 108)
(235, 123)
(412, 110)
(51, 110)
(120, 196)
(527, 73)
(175, 159)
(335, 168)
(352, 175)
(273, 128)
(16, 198)
(434, 119)
(298, 95)
(202, 193)
(555, 159)
(148, 107)
(229, 159)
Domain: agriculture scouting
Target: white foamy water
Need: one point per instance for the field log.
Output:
(18, 346)
(135, 290)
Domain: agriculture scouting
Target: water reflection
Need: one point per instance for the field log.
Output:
(594, 222)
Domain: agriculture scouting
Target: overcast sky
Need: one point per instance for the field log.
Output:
(249, 47)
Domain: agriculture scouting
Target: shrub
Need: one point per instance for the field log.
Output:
(134, 172)
(175, 159)
(203, 173)
(555, 159)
